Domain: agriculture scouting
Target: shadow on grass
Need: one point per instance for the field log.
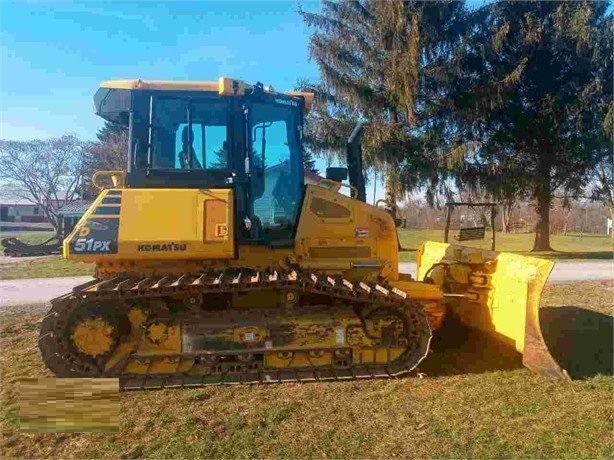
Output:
(458, 349)
(561, 255)
(580, 340)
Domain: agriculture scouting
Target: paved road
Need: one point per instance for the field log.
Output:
(33, 291)
(562, 272)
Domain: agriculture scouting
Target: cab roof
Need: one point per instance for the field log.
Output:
(224, 86)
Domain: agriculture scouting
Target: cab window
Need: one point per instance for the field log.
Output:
(276, 168)
(188, 134)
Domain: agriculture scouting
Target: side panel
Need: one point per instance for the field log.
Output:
(159, 224)
(336, 232)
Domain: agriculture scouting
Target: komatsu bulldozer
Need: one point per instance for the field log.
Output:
(216, 263)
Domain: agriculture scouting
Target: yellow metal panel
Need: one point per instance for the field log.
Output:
(161, 224)
(329, 209)
(136, 368)
(365, 357)
(381, 355)
(367, 229)
(309, 97)
(216, 220)
(336, 252)
(153, 217)
(161, 85)
(163, 366)
(231, 87)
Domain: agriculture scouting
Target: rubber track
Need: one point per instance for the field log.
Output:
(123, 290)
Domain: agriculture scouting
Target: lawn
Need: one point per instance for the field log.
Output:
(572, 246)
(42, 267)
(38, 267)
(474, 402)
(28, 237)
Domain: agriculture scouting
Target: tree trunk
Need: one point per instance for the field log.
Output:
(566, 216)
(504, 224)
(391, 185)
(507, 209)
(542, 227)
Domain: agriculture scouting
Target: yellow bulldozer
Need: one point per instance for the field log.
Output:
(216, 263)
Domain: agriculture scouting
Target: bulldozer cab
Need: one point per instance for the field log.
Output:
(207, 135)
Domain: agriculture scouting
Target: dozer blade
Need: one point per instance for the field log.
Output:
(496, 292)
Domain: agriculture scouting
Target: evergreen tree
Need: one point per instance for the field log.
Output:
(389, 62)
(221, 158)
(111, 130)
(534, 91)
(309, 163)
(108, 153)
(508, 99)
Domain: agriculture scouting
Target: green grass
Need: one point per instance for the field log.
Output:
(28, 237)
(39, 267)
(480, 405)
(44, 267)
(572, 246)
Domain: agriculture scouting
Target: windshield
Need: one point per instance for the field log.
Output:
(181, 133)
(275, 165)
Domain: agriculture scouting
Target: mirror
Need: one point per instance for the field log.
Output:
(338, 174)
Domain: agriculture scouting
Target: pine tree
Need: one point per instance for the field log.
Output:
(221, 158)
(389, 62)
(534, 92)
(111, 130)
(309, 163)
(508, 99)
(108, 153)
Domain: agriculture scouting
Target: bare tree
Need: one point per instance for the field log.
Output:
(47, 173)
(107, 154)
(603, 185)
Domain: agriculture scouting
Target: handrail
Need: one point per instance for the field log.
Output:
(118, 179)
(335, 186)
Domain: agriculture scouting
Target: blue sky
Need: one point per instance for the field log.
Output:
(53, 55)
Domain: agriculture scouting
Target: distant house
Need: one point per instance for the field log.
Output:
(70, 215)
(20, 210)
